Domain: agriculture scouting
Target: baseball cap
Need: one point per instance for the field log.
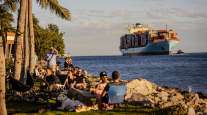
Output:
(103, 73)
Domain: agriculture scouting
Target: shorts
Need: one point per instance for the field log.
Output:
(53, 68)
(105, 99)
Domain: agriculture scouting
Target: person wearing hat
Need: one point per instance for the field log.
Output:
(98, 90)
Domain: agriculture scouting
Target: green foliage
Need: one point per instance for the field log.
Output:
(5, 20)
(46, 38)
(55, 7)
(9, 65)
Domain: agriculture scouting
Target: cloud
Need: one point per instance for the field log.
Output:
(103, 19)
(175, 13)
(95, 28)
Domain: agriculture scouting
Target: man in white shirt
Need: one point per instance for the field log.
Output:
(51, 59)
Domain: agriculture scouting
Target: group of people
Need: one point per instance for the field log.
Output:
(50, 72)
(76, 77)
(102, 89)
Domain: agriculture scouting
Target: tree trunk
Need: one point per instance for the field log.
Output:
(19, 40)
(2, 80)
(31, 39)
(26, 47)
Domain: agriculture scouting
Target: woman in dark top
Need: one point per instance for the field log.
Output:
(68, 63)
(80, 80)
(71, 78)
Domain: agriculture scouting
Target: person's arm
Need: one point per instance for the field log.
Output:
(105, 90)
(56, 51)
(84, 79)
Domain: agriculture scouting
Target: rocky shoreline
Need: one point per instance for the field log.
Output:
(146, 93)
(140, 93)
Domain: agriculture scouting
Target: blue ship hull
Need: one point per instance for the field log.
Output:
(164, 47)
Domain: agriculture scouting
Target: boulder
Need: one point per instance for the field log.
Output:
(149, 94)
(140, 99)
(191, 111)
(139, 86)
(163, 96)
(193, 99)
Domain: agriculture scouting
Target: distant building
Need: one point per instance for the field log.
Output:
(9, 43)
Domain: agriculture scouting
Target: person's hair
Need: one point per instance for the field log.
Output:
(76, 67)
(67, 58)
(116, 75)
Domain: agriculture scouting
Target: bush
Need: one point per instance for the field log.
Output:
(9, 66)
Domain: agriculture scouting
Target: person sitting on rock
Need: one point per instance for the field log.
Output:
(114, 92)
(80, 80)
(99, 88)
(115, 80)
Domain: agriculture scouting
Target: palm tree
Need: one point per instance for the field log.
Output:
(5, 25)
(31, 38)
(5, 22)
(54, 6)
(2, 80)
(19, 38)
(25, 46)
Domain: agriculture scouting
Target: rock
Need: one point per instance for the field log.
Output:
(193, 100)
(141, 99)
(137, 97)
(149, 94)
(203, 108)
(176, 98)
(139, 86)
(163, 96)
(191, 111)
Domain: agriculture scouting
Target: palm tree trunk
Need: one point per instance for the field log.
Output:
(2, 81)
(19, 40)
(31, 36)
(26, 47)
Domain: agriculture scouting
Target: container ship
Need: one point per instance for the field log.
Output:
(142, 40)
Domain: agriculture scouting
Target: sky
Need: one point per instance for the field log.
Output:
(97, 25)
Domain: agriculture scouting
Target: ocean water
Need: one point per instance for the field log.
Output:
(182, 71)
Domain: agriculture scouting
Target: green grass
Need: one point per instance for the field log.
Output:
(28, 108)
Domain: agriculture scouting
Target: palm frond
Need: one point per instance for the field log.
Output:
(12, 4)
(55, 7)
